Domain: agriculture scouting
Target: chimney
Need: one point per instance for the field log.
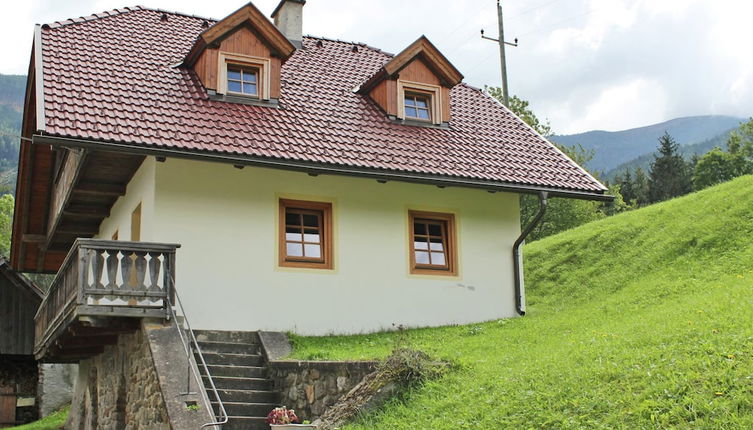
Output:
(288, 16)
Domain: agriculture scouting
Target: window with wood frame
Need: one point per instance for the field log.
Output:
(242, 80)
(417, 106)
(433, 249)
(305, 234)
(244, 75)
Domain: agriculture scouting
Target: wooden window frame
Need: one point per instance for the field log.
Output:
(433, 92)
(245, 70)
(261, 65)
(326, 238)
(416, 96)
(450, 244)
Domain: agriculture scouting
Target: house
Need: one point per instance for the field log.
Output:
(277, 181)
(28, 389)
(19, 299)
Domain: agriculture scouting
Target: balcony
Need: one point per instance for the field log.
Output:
(102, 289)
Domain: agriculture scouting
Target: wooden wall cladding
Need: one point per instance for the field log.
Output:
(243, 41)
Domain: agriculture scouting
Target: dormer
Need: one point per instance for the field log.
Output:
(414, 86)
(238, 59)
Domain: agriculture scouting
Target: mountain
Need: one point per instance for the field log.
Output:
(612, 148)
(638, 321)
(12, 90)
(687, 151)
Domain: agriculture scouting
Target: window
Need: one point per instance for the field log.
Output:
(420, 102)
(305, 234)
(136, 224)
(242, 80)
(432, 243)
(417, 106)
(244, 76)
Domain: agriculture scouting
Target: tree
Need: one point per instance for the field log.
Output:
(626, 187)
(640, 187)
(6, 223)
(717, 166)
(741, 141)
(670, 174)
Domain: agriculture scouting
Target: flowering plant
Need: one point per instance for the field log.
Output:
(282, 415)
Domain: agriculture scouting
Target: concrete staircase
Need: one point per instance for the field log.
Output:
(239, 372)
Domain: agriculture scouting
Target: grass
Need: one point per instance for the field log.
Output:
(639, 321)
(53, 421)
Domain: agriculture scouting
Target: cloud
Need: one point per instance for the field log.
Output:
(685, 57)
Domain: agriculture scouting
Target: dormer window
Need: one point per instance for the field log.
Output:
(242, 80)
(413, 88)
(421, 102)
(244, 76)
(418, 106)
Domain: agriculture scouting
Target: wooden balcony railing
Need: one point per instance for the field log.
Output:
(104, 278)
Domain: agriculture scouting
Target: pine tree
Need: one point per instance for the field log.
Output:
(627, 187)
(640, 187)
(670, 175)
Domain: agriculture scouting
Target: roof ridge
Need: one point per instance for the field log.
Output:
(350, 42)
(116, 12)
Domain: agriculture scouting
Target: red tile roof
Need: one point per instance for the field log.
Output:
(113, 77)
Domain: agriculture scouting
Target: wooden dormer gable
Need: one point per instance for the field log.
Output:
(415, 84)
(246, 42)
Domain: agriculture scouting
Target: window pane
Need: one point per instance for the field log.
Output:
(423, 114)
(313, 251)
(436, 245)
(310, 220)
(420, 244)
(419, 228)
(292, 219)
(435, 230)
(313, 238)
(437, 258)
(249, 88)
(409, 101)
(293, 237)
(422, 257)
(234, 86)
(249, 77)
(411, 112)
(294, 250)
(234, 74)
(420, 102)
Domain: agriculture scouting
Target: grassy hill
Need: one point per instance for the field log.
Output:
(613, 148)
(641, 320)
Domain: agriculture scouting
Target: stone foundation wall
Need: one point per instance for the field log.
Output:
(310, 387)
(55, 388)
(119, 389)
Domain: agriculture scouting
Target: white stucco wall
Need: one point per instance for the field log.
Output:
(227, 271)
(139, 191)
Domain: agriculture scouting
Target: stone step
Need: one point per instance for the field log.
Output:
(246, 423)
(230, 347)
(231, 359)
(231, 383)
(227, 336)
(242, 409)
(241, 371)
(248, 396)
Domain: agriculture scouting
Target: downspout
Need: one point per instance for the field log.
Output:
(517, 262)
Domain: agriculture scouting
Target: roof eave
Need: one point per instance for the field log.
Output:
(321, 168)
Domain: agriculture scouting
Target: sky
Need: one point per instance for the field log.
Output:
(582, 64)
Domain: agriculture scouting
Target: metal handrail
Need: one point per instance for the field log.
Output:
(222, 412)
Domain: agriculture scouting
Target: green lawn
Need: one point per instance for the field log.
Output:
(642, 320)
(54, 421)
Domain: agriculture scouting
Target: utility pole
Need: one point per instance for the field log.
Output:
(502, 43)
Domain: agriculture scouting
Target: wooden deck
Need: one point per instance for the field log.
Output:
(101, 290)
